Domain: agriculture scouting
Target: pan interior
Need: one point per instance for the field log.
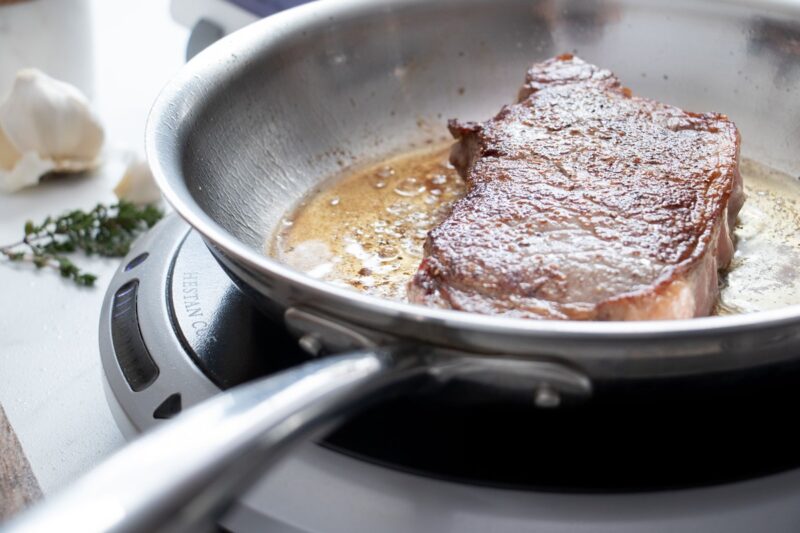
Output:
(290, 108)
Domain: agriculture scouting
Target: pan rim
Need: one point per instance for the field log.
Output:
(174, 101)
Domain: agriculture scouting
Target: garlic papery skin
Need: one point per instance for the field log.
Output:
(18, 171)
(46, 125)
(138, 185)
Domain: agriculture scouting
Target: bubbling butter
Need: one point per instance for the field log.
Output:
(765, 270)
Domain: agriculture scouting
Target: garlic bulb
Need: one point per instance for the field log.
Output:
(46, 125)
(137, 184)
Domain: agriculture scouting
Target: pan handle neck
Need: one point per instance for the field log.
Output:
(185, 474)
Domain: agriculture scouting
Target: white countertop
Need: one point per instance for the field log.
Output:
(51, 387)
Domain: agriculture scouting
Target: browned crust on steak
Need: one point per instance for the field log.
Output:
(585, 202)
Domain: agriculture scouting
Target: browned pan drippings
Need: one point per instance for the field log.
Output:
(366, 228)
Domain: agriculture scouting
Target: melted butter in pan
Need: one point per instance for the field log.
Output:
(366, 230)
(765, 271)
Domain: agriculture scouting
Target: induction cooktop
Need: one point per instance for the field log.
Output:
(175, 331)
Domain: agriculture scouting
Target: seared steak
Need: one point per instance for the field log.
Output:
(587, 203)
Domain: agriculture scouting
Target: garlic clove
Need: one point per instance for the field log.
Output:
(9, 155)
(137, 184)
(45, 124)
(27, 170)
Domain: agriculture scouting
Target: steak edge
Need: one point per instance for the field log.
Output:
(585, 202)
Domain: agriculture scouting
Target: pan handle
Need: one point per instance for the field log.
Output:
(185, 474)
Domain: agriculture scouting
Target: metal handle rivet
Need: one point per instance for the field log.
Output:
(546, 397)
(310, 344)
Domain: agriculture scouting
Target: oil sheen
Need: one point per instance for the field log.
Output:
(366, 230)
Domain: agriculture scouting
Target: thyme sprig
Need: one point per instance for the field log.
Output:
(106, 231)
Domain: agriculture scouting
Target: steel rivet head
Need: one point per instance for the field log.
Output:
(547, 397)
(310, 344)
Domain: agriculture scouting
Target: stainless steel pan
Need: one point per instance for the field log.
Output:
(256, 121)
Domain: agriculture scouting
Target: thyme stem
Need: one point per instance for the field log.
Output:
(106, 231)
